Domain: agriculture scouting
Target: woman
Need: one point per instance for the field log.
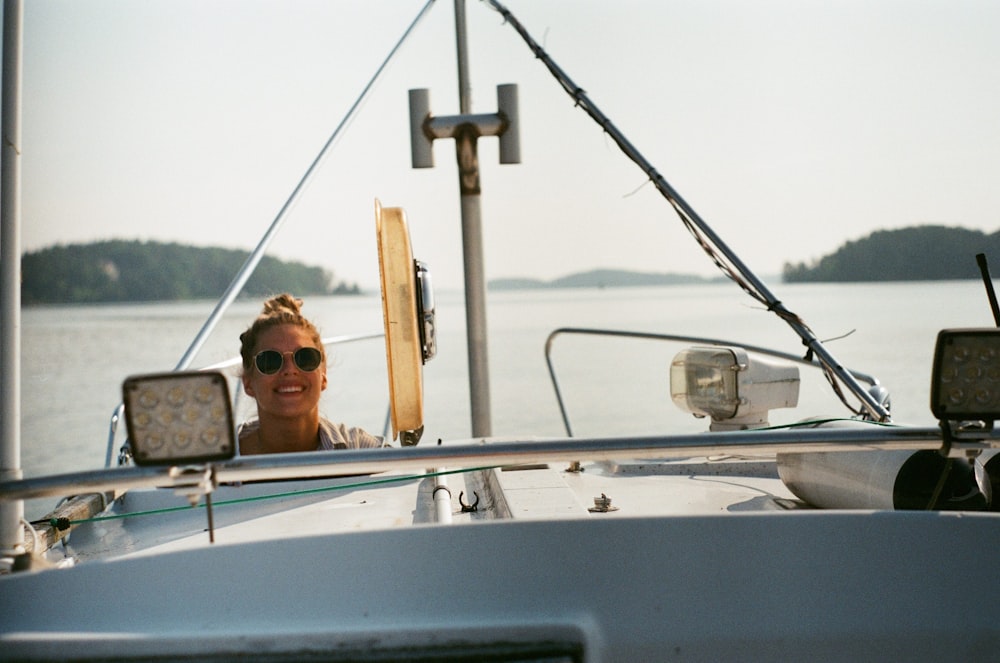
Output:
(284, 370)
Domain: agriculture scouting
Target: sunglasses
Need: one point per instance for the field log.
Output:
(269, 362)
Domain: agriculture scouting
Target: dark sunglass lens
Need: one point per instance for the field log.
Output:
(308, 359)
(268, 362)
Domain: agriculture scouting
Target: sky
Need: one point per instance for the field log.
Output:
(790, 126)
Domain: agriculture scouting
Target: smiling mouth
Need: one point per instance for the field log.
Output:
(289, 390)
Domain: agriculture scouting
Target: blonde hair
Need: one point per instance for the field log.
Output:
(281, 309)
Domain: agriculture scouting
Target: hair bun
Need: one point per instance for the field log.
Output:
(283, 302)
(283, 309)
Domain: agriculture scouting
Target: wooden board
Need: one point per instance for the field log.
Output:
(402, 336)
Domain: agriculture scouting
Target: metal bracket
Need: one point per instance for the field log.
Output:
(467, 508)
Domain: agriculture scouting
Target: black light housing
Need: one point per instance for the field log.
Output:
(965, 380)
(425, 312)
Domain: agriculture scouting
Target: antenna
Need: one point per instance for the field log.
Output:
(984, 269)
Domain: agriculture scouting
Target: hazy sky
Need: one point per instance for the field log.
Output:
(791, 126)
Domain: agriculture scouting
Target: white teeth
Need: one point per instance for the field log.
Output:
(288, 390)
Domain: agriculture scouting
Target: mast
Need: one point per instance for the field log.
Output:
(12, 512)
(472, 244)
(466, 129)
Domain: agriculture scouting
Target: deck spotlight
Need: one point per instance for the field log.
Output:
(965, 380)
(176, 418)
(182, 420)
(724, 384)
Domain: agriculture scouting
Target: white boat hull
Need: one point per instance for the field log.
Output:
(807, 585)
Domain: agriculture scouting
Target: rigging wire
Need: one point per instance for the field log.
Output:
(258, 253)
(581, 99)
(64, 523)
(716, 250)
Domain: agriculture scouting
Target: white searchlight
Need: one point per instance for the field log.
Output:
(725, 384)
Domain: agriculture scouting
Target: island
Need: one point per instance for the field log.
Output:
(141, 271)
(918, 253)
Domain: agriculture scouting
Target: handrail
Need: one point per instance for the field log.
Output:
(870, 379)
(723, 256)
(227, 364)
(116, 417)
(475, 454)
(258, 253)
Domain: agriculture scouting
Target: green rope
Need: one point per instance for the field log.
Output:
(63, 523)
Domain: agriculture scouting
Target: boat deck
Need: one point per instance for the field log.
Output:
(151, 521)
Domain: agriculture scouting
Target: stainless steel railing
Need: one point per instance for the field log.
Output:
(231, 364)
(858, 375)
(477, 454)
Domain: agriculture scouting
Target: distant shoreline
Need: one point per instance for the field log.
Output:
(602, 278)
(135, 272)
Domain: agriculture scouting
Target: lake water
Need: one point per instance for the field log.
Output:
(74, 358)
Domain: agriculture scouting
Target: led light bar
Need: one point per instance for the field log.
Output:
(965, 380)
(176, 418)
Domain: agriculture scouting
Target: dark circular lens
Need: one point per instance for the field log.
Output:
(268, 362)
(308, 359)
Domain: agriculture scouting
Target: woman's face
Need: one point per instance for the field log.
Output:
(290, 392)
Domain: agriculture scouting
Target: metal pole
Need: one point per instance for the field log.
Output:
(472, 244)
(475, 311)
(462, 46)
(868, 401)
(258, 253)
(466, 129)
(11, 513)
(472, 454)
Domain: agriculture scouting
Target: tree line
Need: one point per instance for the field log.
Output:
(132, 271)
(919, 253)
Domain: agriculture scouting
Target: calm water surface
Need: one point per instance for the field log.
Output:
(75, 357)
